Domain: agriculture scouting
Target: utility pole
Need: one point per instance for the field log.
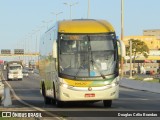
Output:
(130, 43)
(122, 32)
(70, 5)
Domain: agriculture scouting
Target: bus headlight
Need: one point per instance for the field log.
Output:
(64, 85)
(115, 84)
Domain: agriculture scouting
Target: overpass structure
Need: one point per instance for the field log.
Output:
(20, 55)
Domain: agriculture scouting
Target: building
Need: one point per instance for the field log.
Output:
(151, 41)
(152, 32)
(154, 54)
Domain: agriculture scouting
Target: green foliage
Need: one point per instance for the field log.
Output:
(138, 48)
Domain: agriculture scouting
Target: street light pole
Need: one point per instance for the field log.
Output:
(57, 15)
(88, 9)
(46, 22)
(35, 33)
(130, 43)
(122, 19)
(122, 32)
(70, 5)
(70, 11)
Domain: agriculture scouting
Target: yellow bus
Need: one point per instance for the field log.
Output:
(79, 62)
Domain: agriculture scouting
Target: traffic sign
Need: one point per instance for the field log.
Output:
(18, 51)
(5, 51)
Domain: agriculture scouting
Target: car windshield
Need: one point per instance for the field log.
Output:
(25, 71)
(14, 67)
(87, 55)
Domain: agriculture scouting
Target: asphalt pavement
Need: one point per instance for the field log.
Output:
(129, 99)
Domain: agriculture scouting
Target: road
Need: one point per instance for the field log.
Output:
(130, 100)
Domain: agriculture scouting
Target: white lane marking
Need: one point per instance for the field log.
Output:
(144, 99)
(36, 108)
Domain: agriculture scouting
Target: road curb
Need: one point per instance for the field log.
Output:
(140, 85)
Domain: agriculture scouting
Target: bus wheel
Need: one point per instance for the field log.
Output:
(59, 103)
(107, 103)
(46, 99)
(54, 93)
(43, 90)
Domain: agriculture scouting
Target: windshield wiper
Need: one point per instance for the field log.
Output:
(95, 65)
(92, 60)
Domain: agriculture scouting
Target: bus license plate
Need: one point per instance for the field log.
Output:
(90, 95)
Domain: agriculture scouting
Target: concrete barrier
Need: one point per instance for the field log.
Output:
(4, 92)
(1, 85)
(7, 98)
(140, 85)
(1, 90)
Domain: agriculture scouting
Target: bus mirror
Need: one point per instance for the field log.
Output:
(54, 49)
(122, 48)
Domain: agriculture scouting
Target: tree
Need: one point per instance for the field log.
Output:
(138, 48)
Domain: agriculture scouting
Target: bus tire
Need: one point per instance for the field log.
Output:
(107, 103)
(54, 93)
(59, 104)
(43, 90)
(47, 100)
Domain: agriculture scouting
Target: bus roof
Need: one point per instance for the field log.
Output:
(85, 26)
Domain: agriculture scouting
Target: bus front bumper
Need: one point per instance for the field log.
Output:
(88, 93)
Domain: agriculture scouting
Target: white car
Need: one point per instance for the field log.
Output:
(25, 73)
(27, 65)
(31, 70)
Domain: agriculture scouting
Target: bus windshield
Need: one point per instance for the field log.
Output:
(87, 55)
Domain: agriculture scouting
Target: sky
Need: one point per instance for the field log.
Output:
(21, 20)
